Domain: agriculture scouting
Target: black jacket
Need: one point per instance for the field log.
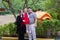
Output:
(21, 28)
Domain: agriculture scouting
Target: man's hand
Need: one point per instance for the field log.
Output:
(35, 25)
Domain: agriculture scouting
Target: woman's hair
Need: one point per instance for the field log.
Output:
(20, 11)
(25, 9)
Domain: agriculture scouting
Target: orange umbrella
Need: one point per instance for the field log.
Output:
(43, 15)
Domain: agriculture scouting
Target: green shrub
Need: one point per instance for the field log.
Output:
(0, 29)
(3, 13)
(12, 28)
(8, 29)
(41, 30)
(52, 25)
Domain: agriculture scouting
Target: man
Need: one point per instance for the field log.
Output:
(21, 27)
(32, 24)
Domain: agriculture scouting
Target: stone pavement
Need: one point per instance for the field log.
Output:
(6, 19)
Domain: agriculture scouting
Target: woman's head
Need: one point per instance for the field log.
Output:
(20, 12)
(25, 10)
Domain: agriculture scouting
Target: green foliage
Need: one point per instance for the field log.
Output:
(41, 30)
(8, 29)
(6, 5)
(51, 6)
(3, 13)
(12, 28)
(0, 30)
(53, 25)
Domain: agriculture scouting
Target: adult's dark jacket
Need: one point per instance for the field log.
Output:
(21, 28)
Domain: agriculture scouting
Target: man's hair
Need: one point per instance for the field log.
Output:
(28, 7)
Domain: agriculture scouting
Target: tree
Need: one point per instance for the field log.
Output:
(10, 6)
(26, 3)
(51, 6)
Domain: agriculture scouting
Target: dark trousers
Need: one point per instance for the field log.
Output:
(21, 36)
(21, 31)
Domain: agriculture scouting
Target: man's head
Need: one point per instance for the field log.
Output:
(29, 9)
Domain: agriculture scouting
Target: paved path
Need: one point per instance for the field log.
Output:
(6, 19)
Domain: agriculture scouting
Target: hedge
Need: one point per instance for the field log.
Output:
(8, 29)
(46, 29)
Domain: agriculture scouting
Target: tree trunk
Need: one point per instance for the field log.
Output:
(25, 4)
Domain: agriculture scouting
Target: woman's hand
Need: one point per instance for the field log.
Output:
(23, 20)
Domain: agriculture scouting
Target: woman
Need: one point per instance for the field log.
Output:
(26, 19)
(20, 26)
